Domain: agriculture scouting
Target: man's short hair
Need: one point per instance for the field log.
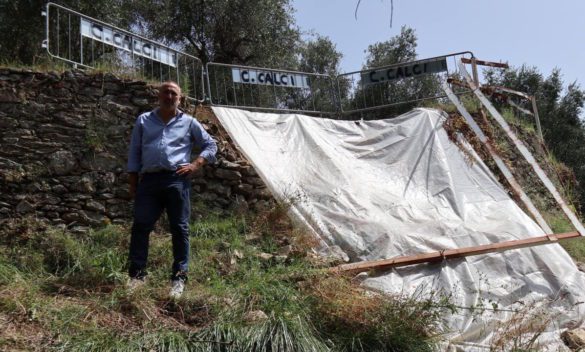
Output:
(169, 83)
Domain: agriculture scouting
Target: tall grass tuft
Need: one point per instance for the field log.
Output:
(69, 289)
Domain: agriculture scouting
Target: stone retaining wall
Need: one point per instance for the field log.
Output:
(63, 146)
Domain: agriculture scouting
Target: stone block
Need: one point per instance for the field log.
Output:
(219, 189)
(95, 206)
(62, 162)
(254, 181)
(244, 189)
(84, 185)
(225, 174)
(24, 207)
(574, 339)
(248, 171)
(59, 189)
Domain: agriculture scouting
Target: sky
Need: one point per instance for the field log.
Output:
(545, 34)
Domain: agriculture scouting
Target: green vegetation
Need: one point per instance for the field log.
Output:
(60, 291)
(514, 118)
(42, 64)
(560, 109)
(400, 48)
(66, 292)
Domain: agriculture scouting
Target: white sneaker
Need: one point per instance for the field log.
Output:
(177, 288)
(134, 284)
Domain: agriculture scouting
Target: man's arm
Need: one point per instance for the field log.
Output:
(208, 149)
(134, 158)
(204, 141)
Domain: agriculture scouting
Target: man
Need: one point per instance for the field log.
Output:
(160, 151)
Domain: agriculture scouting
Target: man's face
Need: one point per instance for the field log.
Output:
(169, 96)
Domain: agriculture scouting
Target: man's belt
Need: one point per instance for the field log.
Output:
(159, 171)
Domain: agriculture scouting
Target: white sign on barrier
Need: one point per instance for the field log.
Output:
(113, 37)
(405, 71)
(283, 79)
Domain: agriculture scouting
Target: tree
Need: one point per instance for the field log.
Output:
(320, 56)
(401, 48)
(399, 95)
(560, 113)
(22, 28)
(248, 32)
(20, 41)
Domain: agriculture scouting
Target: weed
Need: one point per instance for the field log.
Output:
(44, 63)
(293, 333)
(575, 248)
(71, 288)
(376, 322)
(518, 121)
(521, 331)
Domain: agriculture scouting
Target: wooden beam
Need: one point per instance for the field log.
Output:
(434, 257)
(502, 166)
(456, 82)
(484, 63)
(523, 149)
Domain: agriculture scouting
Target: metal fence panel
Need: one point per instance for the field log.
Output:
(271, 89)
(87, 42)
(386, 88)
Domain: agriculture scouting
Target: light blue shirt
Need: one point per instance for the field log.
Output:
(156, 146)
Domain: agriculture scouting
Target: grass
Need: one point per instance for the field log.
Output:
(518, 120)
(65, 292)
(519, 333)
(470, 104)
(559, 223)
(372, 317)
(561, 175)
(46, 63)
(43, 63)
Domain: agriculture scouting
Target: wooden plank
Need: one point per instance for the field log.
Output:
(484, 63)
(439, 256)
(515, 186)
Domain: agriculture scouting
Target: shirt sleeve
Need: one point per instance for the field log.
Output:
(135, 151)
(204, 141)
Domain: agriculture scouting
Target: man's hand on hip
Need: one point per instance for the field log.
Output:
(191, 169)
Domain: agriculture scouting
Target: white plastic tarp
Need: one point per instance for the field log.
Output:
(394, 187)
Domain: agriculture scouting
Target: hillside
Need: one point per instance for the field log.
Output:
(255, 284)
(561, 175)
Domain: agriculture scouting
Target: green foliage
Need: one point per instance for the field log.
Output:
(575, 248)
(320, 55)
(16, 36)
(560, 113)
(513, 118)
(70, 288)
(272, 334)
(103, 341)
(64, 259)
(255, 32)
(22, 27)
(401, 48)
(377, 322)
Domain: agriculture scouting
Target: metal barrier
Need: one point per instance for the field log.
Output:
(87, 42)
(398, 84)
(262, 88)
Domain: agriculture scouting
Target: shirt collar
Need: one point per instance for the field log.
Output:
(176, 117)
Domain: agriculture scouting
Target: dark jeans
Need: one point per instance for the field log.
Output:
(155, 192)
